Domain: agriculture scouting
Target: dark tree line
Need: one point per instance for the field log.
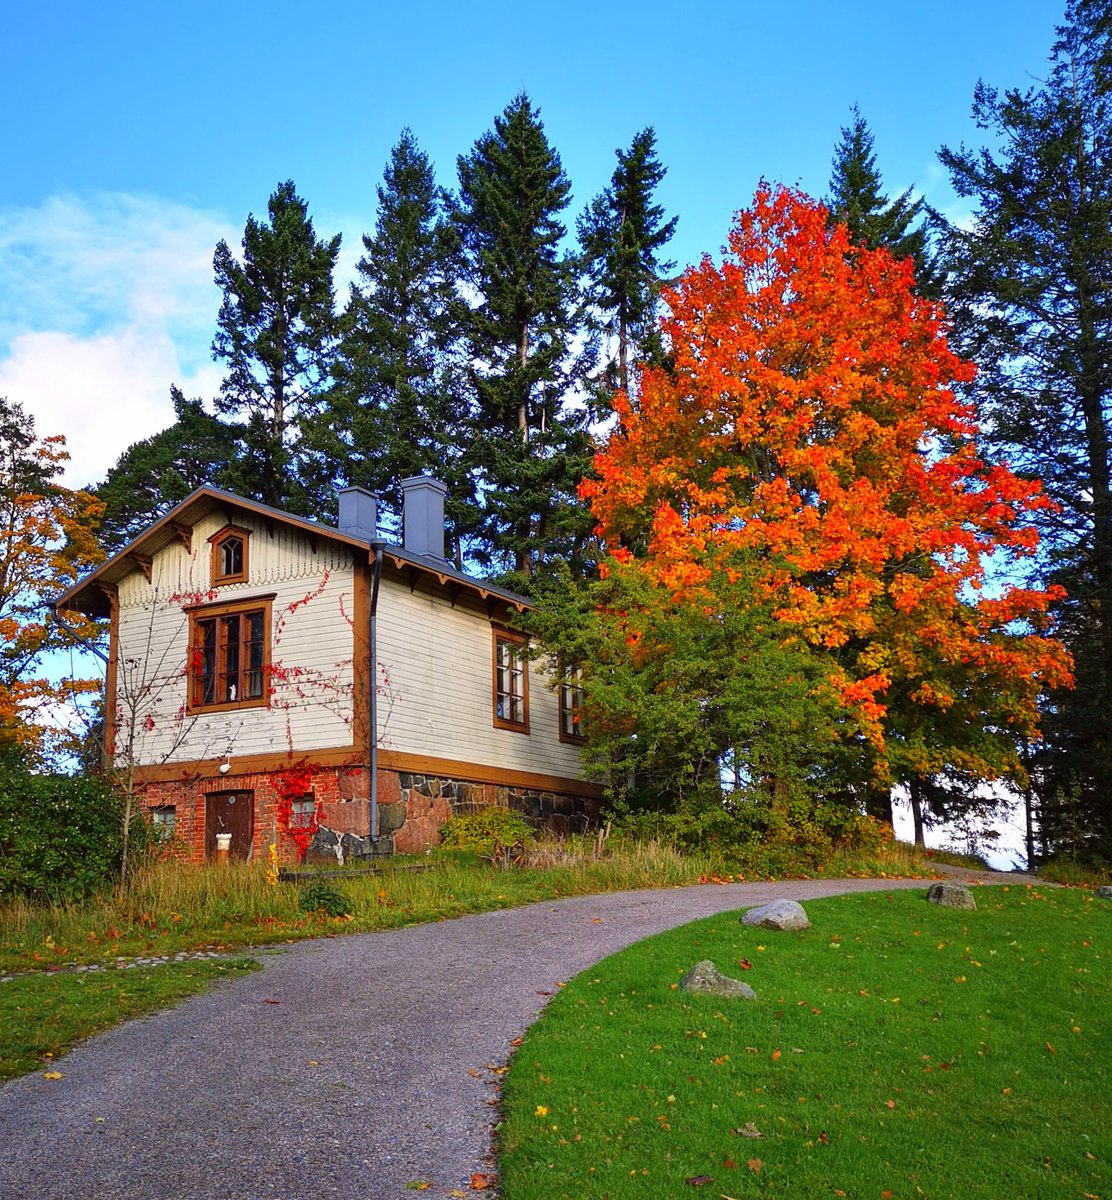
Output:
(478, 344)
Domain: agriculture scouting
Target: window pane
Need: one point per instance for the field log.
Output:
(229, 674)
(205, 662)
(231, 556)
(253, 655)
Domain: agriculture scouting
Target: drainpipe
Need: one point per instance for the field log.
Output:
(372, 733)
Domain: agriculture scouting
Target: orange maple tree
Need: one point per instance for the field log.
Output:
(806, 433)
(47, 539)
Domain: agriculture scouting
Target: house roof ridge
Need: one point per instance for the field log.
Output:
(157, 531)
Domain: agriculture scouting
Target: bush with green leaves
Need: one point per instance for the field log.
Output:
(322, 896)
(482, 830)
(743, 830)
(60, 835)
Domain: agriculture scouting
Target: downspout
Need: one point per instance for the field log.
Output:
(372, 733)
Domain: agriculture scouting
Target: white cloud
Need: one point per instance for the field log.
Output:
(101, 393)
(105, 301)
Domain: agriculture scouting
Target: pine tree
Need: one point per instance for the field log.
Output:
(1031, 288)
(857, 200)
(530, 446)
(622, 234)
(154, 474)
(396, 413)
(276, 330)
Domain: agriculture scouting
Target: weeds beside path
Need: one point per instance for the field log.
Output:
(347, 1066)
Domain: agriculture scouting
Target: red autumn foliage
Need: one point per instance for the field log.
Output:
(806, 434)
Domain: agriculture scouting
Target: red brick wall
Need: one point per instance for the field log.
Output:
(411, 807)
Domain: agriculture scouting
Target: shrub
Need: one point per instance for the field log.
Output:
(482, 830)
(320, 896)
(60, 835)
(740, 829)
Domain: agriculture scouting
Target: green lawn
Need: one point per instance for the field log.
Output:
(42, 1016)
(898, 1049)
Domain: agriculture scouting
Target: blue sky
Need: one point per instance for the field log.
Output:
(136, 135)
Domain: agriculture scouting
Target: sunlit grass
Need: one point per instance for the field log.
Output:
(42, 1016)
(897, 1049)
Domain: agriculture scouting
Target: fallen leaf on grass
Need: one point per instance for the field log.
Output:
(889, 1104)
(745, 964)
(1051, 1048)
(699, 1180)
(754, 1165)
(775, 1054)
(748, 1130)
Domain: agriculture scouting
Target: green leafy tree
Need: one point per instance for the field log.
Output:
(396, 413)
(623, 234)
(530, 445)
(276, 331)
(1031, 287)
(682, 697)
(153, 475)
(858, 201)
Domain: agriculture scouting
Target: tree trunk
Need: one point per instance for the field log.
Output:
(915, 787)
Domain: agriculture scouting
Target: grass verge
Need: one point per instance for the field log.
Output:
(898, 1049)
(43, 1016)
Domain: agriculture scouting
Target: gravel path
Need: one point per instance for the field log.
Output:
(350, 1066)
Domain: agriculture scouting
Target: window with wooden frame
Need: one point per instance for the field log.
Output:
(571, 706)
(229, 555)
(511, 682)
(229, 655)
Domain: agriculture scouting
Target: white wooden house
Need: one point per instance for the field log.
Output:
(283, 680)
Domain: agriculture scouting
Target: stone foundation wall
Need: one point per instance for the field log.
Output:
(411, 810)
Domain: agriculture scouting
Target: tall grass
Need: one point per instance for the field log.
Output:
(171, 907)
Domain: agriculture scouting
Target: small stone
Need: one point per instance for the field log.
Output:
(1104, 892)
(705, 977)
(780, 914)
(951, 895)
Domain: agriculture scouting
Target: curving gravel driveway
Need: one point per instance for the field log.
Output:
(220, 1098)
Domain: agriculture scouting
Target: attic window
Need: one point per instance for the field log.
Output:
(229, 555)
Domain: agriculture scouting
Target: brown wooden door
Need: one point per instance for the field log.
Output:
(234, 813)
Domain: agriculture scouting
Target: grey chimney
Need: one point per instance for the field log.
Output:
(423, 516)
(358, 514)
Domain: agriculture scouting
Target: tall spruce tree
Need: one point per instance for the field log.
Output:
(530, 446)
(1031, 290)
(154, 474)
(276, 330)
(623, 233)
(396, 412)
(858, 201)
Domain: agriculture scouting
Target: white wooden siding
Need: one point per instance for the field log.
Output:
(311, 648)
(438, 661)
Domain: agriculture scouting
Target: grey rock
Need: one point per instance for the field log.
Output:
(780, 914)
(1105, 891)
(951, 895)
(707, 978)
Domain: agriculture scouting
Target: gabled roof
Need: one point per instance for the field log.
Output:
(89, 595)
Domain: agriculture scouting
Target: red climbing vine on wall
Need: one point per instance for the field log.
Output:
(293, 785)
